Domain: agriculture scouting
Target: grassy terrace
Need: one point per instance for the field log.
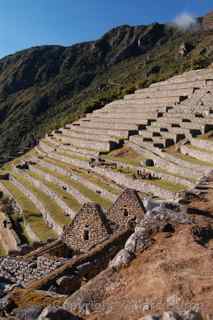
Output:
(72, 154)
(200, 149)
(2, 250)
(68, 199)
(94, 197)
(92, 177)
(31, 214)
(125, 155)
(191, 159)
(132, 158)
(167, 185)
(56, 212)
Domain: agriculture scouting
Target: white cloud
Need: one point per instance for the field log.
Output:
(185, 21)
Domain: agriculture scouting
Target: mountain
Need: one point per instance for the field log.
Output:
(42, 88)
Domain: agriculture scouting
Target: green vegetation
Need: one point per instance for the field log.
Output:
(66, 197)
(95, 178)
(93, 196)
(30, 214)
(56, 212)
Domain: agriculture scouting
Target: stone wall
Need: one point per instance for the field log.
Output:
(74, 192)
(138, 185)
(53, 195)
(127, 209)
(197, 154)
(88, 229)
(46, 215)
(201, 143)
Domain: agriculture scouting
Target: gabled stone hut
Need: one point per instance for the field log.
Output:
(126, 210)
(88, 229)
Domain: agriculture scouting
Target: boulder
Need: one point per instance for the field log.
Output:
(122, 259)
(53, 313)
(31, 313)
(191, 315)
(171, 315)
(68, 284)
(138, 241)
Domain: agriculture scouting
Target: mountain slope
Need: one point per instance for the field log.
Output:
(43, 88)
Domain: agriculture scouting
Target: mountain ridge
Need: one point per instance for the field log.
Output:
(42, 88)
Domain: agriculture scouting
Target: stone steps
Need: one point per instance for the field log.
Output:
(88, 136)
(185, 92)
(176, 133)
(116, 114)
(108, 124)
(32, 216)
(174, 86)
(161, 100)
(99, 146)
(149, 132)
(71, 148)
(157, 142)
(194, 128)
(135, 117)
(111, 133)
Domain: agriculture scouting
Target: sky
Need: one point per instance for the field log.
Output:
(27, 23)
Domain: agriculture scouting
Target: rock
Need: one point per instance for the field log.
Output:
(53, 313)
(191, 315)
(122, 259)
(149, 204)
(6, 304)
(68, 284)
(138, 241)
(151, 317)
(31, 313)
(170, 315)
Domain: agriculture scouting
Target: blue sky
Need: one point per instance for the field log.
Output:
(26, 23)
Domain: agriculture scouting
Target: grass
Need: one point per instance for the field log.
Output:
(56, 212)
(2, 250)
(168, 185)
(125, 155)
(97, 179)
(67, 198)
(192, 160)
(81, 188)
(200, 149)
(31, 214)
(74, 156)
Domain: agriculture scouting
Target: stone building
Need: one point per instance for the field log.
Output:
(88, 229)
(126, 210)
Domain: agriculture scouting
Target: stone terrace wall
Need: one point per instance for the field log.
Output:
(46, 215)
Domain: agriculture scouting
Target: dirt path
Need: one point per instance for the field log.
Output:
(7, 239)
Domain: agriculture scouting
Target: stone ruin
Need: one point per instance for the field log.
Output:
(92, 226)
